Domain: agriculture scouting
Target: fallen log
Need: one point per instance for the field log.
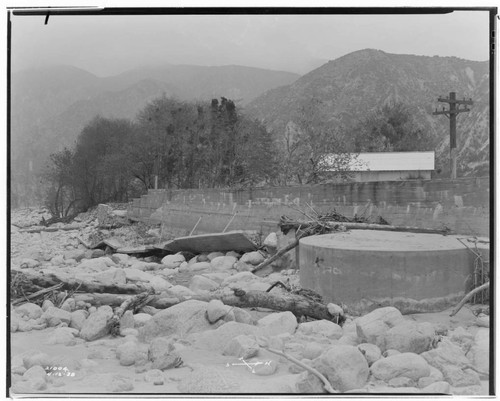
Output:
(297, 304)
(137, 301)
(36, 294)
(69, 284)
(279, 254)
(33, 230)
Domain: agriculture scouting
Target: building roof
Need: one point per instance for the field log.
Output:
(392, 161)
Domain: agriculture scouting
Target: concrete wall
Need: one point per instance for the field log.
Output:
(461, 204)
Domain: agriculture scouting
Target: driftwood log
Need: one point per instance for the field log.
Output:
(469, 296)
(69, 284)
(297, 304)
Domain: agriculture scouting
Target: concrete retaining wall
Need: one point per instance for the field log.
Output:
(461, 204)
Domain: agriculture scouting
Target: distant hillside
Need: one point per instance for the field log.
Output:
(352, 86)
(50, 106)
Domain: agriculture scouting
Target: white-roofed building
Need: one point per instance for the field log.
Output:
(388, 166)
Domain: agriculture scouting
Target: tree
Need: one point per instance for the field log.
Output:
(393, 128)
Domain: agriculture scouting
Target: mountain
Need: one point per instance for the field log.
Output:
(50, 106)
(350, 87)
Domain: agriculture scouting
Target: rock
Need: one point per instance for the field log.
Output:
(211, 256)
(200, 284)
(140, 319)
(173, 261)
(468, 390)
(216, 340)
(209, 380)
(55, 316)
(120, 384)
(163, 355)
(371, 352)
(111, 276)
(253, 258)
(35, 372)
(47, 304)
(267, 368)
(120, 258)
(14, 322)
(181, 319)
(479, 353)
(97, 253)
(242, 346)
(243, 267)
(440, 387)
(57, 260)
(312, 350)
(69, 305)
(32, 311)
(95, 326)
(256, 286)
(459, 377)
(460, 336)
(239, 278)
(401, 382)
(390, 352)
(129, 332)
(92, 309)
(216, 310)
(446, 353)
(65, 361)
(307, 383)
(95, 265)
(242, 316)
(36, 359)
(180, 291)
(106, 309)
(127, 321)
(271, 241)
(324, 328)
(372, 327)
(435, 376)
(277, 323)
(154, 376)
(223, 263)
(234, 254)
(344, 366)
(406, 364)
(129, 352)
(63, 335)
(335, 310)
(200, 267)
(218, 277)
(28, 263)
(409, 336)
(483, 321)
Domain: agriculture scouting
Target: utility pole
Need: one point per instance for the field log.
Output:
(452, 113)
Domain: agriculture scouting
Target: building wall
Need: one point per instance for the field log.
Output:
(461, 205)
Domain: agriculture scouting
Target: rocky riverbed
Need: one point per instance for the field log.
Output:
(63, 344)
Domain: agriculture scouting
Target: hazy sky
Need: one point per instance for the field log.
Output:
(107, 45)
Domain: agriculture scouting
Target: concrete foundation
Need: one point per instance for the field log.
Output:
(366, 269)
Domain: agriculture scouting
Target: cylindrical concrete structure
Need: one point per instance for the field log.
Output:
(366, 269)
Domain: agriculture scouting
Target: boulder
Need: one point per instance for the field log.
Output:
(181, 319)
(401, 382)
(323, 328)
(435, 376)
(140, 319)
(468, 390)
(28, 263)
(223, 263)
(120, 258)
(242, 316)
(173, 261)
(216, 310)
(271, 241)
(119, 384)
(406, 364)
(242, 346)
(243, 267)
(127, 321)
(234, 254)
(69, 305)
(111, 276)
(459, 377)
(35, 372)
(63, 335)
(95, 326)
(307, 383)
(200, 267)
(36, 358)
(266, 368)
(200, 284)
(277, 323)
(211, 256)
(216, 340)
(371, 352)
(95, 265)
(162, 353)
(32, 311)
(252, 258)
(439, 387)
(180, 291)
(479, 353)
(312, 350)
(47, 304)
(344, 366)
(131, 352)
(154, 376)
(409, 336)
(446, 353)
(239, 278)
(372, 327)
(54, 316)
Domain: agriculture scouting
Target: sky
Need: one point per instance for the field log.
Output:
(109, 45)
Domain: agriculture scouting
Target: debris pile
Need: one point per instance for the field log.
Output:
(174, 318)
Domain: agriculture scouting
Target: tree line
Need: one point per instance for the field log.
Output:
(177, 144)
